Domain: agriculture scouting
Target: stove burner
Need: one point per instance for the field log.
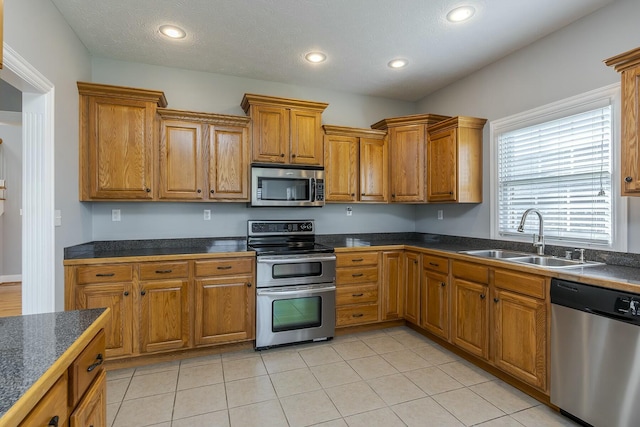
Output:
(275, 238)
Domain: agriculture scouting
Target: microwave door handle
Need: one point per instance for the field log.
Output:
(313, 189)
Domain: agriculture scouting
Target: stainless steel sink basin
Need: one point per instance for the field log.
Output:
(494, 253)
(524, 258)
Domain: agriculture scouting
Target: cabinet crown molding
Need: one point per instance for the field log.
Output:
(459, 122)
(250, 99)
(414, 119)
(354, 132)
(625, 60)
(208, 118)
(97, 89)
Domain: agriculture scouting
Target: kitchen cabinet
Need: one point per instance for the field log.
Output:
(356, 165)
(628, 64)
(163, 309)
(470, 308)
(454, 160)
(434, 293)
(520, 326)
(412, 263)
(203, 157)
(224, 305)
(92, 410)
(117, 142)
(357, 288)
(285, 131)
(407, 152)
(392, 301)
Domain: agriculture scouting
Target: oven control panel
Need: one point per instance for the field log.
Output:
(263, 228)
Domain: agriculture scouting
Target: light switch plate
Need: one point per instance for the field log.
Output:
(115, 215)
(207, 215)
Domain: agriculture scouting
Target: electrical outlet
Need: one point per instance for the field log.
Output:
(115, 215)
(207, 215)
(349, 211)
(440, 214)
(57, 218)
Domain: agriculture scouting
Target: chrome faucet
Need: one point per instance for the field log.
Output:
(538, 239)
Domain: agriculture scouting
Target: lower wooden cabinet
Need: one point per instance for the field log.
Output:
(412, 262)
(92, 410)
(357, 288)
(392, 288)
(163, 312)
(434, 295)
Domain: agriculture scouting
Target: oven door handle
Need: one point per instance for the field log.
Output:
(293, 259)
(295, 291)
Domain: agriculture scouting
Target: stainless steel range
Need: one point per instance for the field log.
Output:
(295, 283)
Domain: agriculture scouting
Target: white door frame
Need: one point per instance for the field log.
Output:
(38, 233)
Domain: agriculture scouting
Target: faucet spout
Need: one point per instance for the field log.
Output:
(538, 240)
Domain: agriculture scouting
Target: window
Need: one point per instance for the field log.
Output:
(559, 159)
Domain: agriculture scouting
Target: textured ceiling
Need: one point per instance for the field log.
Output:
(267, 39)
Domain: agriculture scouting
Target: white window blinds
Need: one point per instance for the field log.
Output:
(562, 168)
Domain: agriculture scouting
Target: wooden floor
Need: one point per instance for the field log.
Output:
(10, 299)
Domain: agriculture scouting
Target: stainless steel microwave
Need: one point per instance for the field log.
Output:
(287, 186)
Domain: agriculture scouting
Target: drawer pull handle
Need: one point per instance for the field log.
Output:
(224, 267)
(357, 295)
(97, 363)
(357, 275)
(357, 260)
(358, 315)
(54, 421)
(163, 271)
(105, 274)
(434, 264)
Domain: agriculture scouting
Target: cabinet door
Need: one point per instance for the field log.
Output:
(412, 291)
(442, 160)
(270, 134)
(92, 409)
(631, 132)
(306, 138)
(119, 298)
(164, 315)
(470, 315)
(520, 336)
(228, 163)
(181, 161)
(435, 303)
(224, 309)
(341, 172)
(392, 285)
(407, 163)
(120, 145)
(374, 172)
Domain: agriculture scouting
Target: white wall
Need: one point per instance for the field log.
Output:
(11, 221)
(37, 32)
(561, 65)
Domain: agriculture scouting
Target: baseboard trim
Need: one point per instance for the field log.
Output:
(11, 278)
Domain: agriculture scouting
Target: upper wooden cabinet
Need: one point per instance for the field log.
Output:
(407, 148)
(454, 160)
(116, 141)
(203, 156)
(356, 165)
(287, 131)
(628, 64)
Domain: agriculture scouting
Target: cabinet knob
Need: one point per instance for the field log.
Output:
(126, 294)
(249, 284)
(199, 191)
(293, 155)
(451, 193)
(628, 179)
(496, 300)
(393, 195)
(148, 190)
(415, 261)
(143, 293)
(212, 191)
(362, 194)
(353, 194)
(282, 155)
(482, 296)
(54, 421)
(443, 284)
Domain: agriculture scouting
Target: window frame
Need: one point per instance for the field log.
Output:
(556, 110)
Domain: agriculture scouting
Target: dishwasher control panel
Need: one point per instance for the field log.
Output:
(628, 306)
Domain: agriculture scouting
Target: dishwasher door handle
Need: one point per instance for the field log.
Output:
(613, 316)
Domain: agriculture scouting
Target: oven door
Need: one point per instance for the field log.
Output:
(292, 314)
(282, 270)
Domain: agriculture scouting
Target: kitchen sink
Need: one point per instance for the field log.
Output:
(524, 258)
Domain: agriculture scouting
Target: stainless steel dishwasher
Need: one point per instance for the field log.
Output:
(595, 354)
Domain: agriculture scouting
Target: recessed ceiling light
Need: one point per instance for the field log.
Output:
(398, 63)
(461, 13)
(172, 31)
(315, 57)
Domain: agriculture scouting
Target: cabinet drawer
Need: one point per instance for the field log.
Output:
(354, 314)
(53, 404)
(349, 276)
(435, 263)
(223, 267)
(473, 272)
(357, 295)
(164, 270)
(356, 259)
(104, 273)
(86, 367)
(528, 284)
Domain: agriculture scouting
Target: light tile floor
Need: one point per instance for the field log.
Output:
(392, 377)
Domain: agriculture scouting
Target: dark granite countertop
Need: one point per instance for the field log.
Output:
(31, 344)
